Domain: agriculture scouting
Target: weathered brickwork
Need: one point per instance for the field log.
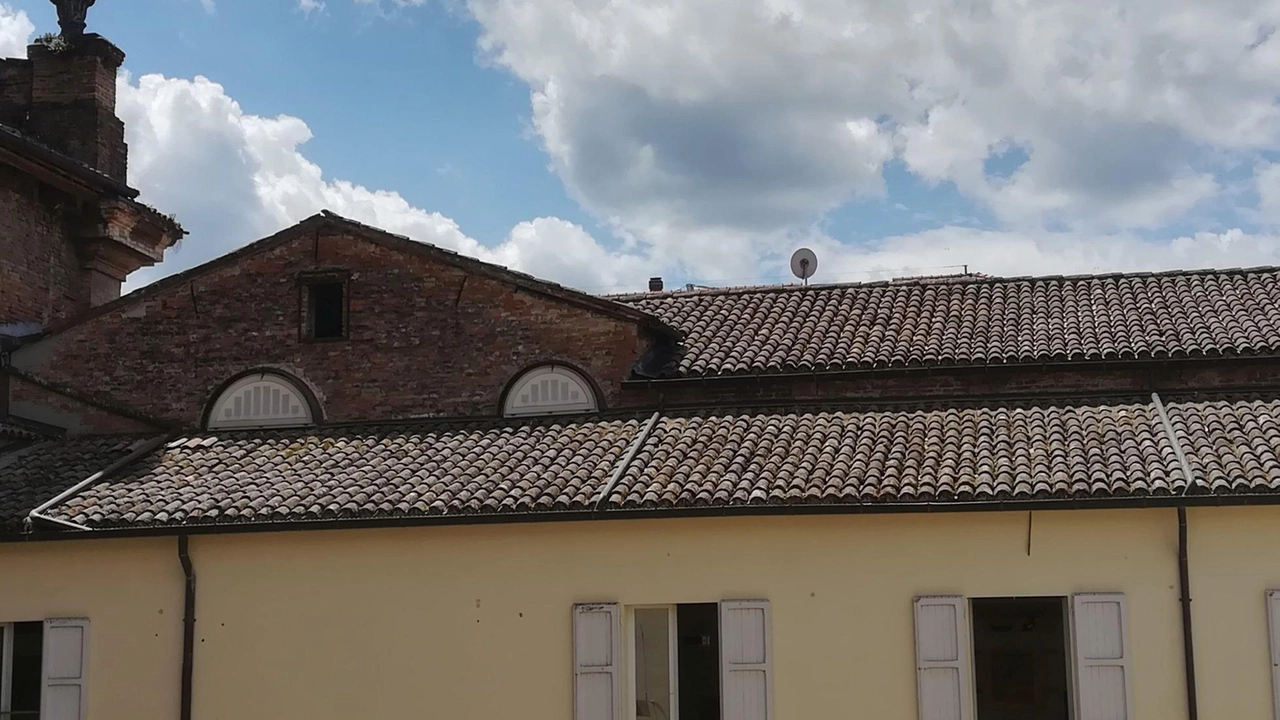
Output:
(36, 403)
(425, 337)
(39, 272)
(73, 101)
(1016, 381)
(15, 90)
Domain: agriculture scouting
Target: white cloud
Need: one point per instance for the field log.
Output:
(712, 137)
(729, 116)
(15, 31)
(1267, 179)
(310, 6)
(208, 6)
(946, 250)
(232, 177)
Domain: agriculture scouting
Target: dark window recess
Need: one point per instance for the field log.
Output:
(24, 675)
(1020, 658)
(698, 661)
(328, 311)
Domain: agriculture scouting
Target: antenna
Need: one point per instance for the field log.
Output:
(804, 263)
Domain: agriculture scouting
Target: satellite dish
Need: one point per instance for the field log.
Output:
(804, 263)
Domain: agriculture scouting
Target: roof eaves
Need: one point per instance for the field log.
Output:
(51, 160)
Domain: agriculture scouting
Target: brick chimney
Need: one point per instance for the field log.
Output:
(71, 229)
(73, 101)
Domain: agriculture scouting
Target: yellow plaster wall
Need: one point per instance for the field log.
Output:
(1234, 558)
(474, 622)
(131, 591)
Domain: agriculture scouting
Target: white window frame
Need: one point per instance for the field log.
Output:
(632, 662)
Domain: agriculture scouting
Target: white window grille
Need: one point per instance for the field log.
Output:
(260, 400)
(550, 390)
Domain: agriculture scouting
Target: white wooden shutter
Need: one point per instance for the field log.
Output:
(597, 685)
(66, 662)
(1100, 627)
(942, 658)
(1273, 627)
(745, 660)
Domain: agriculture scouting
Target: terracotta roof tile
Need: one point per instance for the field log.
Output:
(1232, 445)
(980, 452)
(484, 467)
(897, 456)
(34, 474)
(971, 321)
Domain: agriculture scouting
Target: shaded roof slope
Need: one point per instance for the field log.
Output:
(35, 474)
(971, 321)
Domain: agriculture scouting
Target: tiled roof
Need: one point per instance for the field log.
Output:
(422, 469)
(971, 321)
(884, 456)
(898, 456)
(14, 429)
(1232, 446)
(36, 473)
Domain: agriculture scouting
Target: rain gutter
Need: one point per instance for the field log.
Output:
(39, 512)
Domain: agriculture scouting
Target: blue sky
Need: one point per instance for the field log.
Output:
(597, 143)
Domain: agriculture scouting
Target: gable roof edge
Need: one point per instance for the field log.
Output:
(327, 218)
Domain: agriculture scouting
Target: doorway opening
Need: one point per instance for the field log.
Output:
(1020, 658)
(677, 662)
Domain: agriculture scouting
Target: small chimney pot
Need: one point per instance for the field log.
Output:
(655, 284)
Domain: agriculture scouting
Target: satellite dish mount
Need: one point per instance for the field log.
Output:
(804, 263)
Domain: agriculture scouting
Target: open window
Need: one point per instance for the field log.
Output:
(43, 669)
(696, 661)
(1020, 658)
(1006, 658)
(325, 307)
(21, 649)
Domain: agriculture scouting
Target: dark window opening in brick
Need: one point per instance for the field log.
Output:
(328, 311)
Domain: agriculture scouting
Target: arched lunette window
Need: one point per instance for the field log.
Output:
(261, 400)
(550, 390)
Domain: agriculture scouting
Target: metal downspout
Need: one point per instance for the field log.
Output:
(1184, 570)
(188, 626)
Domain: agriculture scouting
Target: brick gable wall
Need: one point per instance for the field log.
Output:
(425, 338)
(39, 272)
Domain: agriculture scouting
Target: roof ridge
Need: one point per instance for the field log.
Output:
(933, 280)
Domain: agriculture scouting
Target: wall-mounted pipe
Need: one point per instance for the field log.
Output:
(1188, 644)
(188, 626)
(1184, 566)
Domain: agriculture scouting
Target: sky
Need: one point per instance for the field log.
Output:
(600, 142)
